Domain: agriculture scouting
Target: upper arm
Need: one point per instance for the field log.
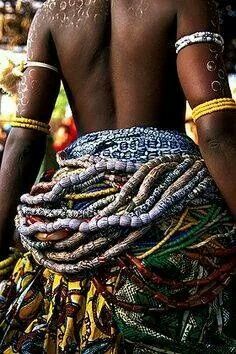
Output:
(39, 87)
(200, 66)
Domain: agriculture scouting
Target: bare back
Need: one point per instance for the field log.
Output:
(117, 61)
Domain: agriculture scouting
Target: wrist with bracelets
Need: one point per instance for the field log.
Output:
(8, 263)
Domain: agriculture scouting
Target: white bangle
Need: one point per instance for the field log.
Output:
(41, 65)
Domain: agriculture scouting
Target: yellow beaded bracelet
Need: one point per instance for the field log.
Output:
(6, 270)
(219, 104)
(31, 121)
(213, 104)
(22, 122)
(9, 261)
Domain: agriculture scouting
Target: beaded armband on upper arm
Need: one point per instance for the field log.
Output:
(199, 37)
(215, 105)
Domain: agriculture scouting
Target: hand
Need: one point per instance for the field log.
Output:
(55, 236)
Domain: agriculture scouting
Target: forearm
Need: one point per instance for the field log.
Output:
(218, 147)
(23, 155)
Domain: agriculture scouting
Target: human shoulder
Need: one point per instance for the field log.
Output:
(39, 37)
(44, 15)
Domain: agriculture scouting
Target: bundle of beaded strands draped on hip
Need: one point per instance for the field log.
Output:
(115, 189)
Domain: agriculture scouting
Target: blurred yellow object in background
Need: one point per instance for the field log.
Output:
(10, 73)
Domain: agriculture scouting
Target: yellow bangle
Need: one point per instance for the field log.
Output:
(215, 105)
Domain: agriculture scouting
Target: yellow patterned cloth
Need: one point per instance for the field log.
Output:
(52, 308)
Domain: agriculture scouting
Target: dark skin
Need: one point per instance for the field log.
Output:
(118, 65)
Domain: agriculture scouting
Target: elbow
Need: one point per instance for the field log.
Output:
(21, 141)
(217, 132)
(21, 137)
(218, 142)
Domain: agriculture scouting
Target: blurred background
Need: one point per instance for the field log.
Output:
(15, 20)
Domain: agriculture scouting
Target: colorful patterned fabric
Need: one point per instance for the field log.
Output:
(54, 314)
(145, 258)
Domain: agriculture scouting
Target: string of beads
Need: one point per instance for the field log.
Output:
(163, 223)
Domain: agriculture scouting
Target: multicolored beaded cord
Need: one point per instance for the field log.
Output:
(95, 210)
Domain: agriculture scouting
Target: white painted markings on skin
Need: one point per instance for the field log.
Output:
(215, 63)
(27, 86)
(74, 12)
